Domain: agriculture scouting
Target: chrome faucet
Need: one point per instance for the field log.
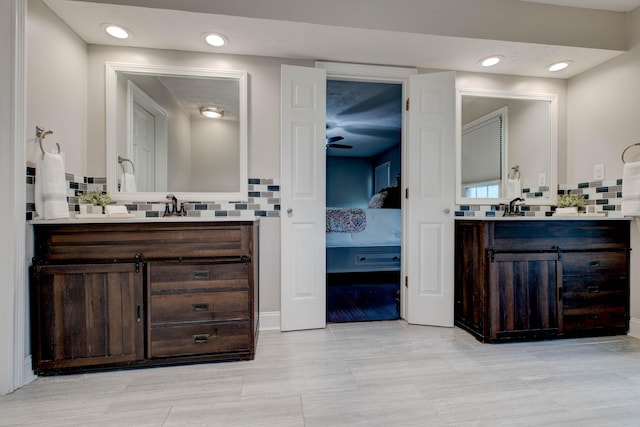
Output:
(174, 211)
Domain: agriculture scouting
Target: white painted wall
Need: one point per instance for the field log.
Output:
(214, 146)
(603, 119)
(56, 86)
(7, 190)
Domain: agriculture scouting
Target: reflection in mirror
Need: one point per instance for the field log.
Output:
(482, 145)
(499, 134)
(156, 126)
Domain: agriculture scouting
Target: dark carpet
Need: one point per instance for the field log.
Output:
(360, 302)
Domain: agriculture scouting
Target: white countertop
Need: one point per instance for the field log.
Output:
(169, 219)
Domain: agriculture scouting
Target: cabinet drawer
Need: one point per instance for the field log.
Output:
(374, 258)
(200, 339)
(584, 263)
(594, 291)
(172, 277)
(189, 307)
(600, 317)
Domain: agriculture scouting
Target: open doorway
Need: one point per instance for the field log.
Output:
(363, 187)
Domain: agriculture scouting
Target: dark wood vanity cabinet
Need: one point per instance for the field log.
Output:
(133, 294)
(530, 279)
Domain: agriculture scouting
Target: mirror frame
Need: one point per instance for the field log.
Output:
(552, 181)
(112, 69)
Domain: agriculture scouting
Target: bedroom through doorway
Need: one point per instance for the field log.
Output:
(363, 189)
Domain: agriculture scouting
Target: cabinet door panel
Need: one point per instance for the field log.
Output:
(88, 315)
(525, 295)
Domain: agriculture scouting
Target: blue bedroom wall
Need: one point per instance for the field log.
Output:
(349, 182)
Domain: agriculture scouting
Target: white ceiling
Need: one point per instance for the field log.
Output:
(171, 28)
(612, 5)
(182, 30)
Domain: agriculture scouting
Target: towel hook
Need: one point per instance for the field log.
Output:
(41, 134)
(121, 160)
(625, 150)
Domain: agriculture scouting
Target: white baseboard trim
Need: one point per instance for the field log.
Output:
(634, 327)
(269, 321)
(27, 372)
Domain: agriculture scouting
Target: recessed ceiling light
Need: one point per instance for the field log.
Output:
(490, 61)
(116, 31)
(212, 112)
(215, 39)
(559, 66)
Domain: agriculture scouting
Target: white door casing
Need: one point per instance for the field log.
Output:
(429, 254)
(303, 198)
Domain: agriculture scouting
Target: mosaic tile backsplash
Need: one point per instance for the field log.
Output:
(263, 199)
(603, 197)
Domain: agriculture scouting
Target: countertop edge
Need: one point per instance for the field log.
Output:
(184, 219)
(543, 218)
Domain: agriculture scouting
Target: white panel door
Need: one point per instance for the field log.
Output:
(303, 286)
(143, 145)
(431, 171)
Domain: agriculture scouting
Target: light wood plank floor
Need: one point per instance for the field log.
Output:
(357, 374)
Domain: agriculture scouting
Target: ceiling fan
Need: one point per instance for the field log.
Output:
(331, 142)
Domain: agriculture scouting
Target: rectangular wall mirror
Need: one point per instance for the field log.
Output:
(506, 143)
(160, 138)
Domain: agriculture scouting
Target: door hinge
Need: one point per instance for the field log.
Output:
(406, 193)
(406, 281)
(407, 104)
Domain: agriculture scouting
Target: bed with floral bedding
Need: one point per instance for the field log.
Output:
(363, 239)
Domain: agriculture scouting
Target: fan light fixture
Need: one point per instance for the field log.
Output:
(116, 31)
(215, 39)
(490, 61)
(212, 112)
(559, 66)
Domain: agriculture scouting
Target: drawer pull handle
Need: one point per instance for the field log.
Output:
(201, 339)
(201, 275)
(594, 289)
(200, 306)
(593, 315)
(594, 264)
(395, 258)
(363, 258)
